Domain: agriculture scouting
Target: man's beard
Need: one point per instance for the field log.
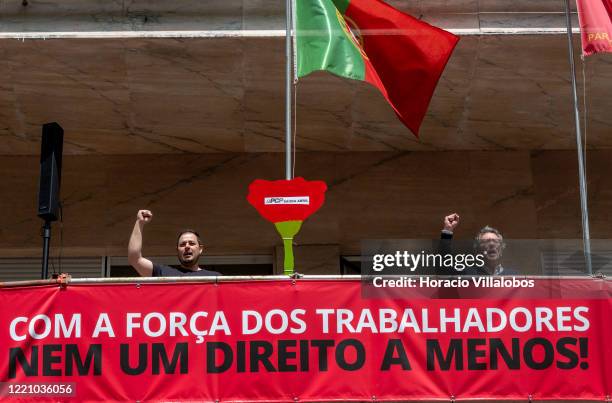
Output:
(193, 261)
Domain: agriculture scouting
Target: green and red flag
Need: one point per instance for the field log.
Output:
(369, 40)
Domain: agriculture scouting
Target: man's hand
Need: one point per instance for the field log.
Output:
(451, 221)
(143, 266)
(144, 216)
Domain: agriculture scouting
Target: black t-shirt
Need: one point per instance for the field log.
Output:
(160, 270)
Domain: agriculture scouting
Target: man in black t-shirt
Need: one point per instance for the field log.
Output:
(189, 248)
(488, 241)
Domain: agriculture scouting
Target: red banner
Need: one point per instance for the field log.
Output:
(305, 340)
(595, 17)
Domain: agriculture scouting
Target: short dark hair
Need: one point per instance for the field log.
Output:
(189, 231)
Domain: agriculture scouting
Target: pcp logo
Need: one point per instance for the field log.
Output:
(287, 200)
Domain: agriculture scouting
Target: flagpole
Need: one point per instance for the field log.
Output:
(586, 237)
(288, 68)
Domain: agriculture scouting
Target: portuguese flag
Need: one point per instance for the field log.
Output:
(371, 41)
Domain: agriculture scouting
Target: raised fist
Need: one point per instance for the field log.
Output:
(451, 221)
(144, 216)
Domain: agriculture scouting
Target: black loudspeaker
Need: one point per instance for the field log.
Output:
(50, 171)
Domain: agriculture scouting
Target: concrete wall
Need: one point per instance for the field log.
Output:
(371, 195)
(173, 96)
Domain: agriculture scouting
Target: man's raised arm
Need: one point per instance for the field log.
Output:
(143, 266)
(450, 223)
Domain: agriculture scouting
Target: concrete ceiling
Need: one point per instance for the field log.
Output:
(180, 95)
(148, 15)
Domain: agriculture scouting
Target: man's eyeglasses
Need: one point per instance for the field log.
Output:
(493, 241)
